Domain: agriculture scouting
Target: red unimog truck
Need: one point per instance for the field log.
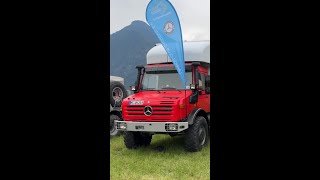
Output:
(160, 103)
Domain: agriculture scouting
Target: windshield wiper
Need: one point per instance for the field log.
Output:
(168, 88)
(151, 89)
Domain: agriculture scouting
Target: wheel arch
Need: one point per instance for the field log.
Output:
(197, 112)
(115, 112)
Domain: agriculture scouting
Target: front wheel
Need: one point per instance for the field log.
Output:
(196, 136)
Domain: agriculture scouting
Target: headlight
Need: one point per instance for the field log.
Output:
(171, 127)
(122, 125)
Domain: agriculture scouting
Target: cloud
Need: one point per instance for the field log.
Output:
(194, 16)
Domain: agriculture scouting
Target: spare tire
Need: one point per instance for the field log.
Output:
(117, 93)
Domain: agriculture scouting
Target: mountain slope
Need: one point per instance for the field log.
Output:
(128, 48)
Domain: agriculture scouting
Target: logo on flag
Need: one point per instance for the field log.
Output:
(169, 27)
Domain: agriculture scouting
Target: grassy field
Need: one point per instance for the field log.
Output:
(148, 163)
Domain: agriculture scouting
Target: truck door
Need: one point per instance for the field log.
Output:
(204, 98)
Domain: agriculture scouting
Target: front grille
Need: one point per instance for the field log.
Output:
(156, 110)
(135, 110)
(166, 102)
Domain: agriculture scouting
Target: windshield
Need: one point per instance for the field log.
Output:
(164, 81)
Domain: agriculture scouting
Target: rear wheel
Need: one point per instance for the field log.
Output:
(196, 135)
(113, 129)
(133, 140)
(145, 139)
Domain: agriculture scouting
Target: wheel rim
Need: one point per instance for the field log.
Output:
(202, 135)
(117, 94)
(112, 126)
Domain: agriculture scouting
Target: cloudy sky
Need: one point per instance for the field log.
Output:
(194, 16)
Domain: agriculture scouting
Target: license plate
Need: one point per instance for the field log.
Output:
(139, 127)
(136, 103)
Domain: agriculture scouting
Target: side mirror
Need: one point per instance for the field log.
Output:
(194, 97)
(207, 79)
(207, 90)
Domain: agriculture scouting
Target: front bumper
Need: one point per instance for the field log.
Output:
(151, 126)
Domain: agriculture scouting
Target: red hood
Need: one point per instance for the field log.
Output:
(171, 95)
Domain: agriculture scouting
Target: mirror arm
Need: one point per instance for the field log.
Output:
(137, 82)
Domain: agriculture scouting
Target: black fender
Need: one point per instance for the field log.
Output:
(194, 113)
(116, 112)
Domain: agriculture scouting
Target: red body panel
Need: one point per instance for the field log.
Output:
(203, 99)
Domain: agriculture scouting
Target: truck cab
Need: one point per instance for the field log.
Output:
(160, 103)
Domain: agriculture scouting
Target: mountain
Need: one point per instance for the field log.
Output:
(128, 48)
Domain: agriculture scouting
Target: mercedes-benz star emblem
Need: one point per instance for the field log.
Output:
(147, 110)
(169, 27)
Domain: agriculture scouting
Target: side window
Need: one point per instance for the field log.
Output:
(202, 81)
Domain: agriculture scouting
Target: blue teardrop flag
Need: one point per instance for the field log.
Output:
(163, 19)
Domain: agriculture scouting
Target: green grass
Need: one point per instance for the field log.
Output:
(147, 163)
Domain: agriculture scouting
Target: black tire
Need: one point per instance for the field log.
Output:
(133, 140)
(174, 134)
(117, 93)
(196, 136)
(113, 130)
(145, 139)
